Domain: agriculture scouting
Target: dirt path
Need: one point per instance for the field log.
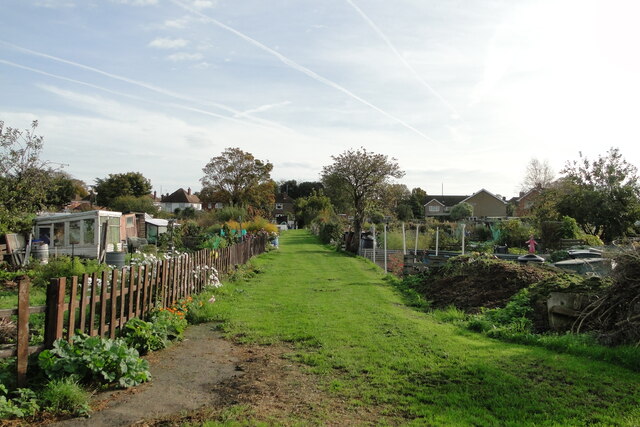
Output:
(183, 377)
(206, 377)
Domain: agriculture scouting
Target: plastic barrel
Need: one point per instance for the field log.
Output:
(115, 258)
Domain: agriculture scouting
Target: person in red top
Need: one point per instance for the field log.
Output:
(532, 244)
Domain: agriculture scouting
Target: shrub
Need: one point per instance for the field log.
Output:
(24, 403)
(449, 314)
(171, 322)
(65, 266)
(95, 359)
(144, 336)
(65, 396)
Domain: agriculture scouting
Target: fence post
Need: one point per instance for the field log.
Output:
(23, 330)
(55, 310)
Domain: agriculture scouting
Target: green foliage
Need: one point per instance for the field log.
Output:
(23, 404)
(144, 336)
(170, 322)
(64, 266)
(95, 359)
(603, 195)
(363, 174)
(330, 232)
(461, 210)
(121, 184)
(515, 312)
(514, 233)
(229, 213)
(449, 314)
(129, 203)
(240, 178)
(25, 179)
(310, 208)
(65, 396)
(560, 255)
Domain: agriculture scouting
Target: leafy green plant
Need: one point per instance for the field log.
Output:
(144, 336)
(24, 403)
(65, 396)
(95, 359)
(170, 322)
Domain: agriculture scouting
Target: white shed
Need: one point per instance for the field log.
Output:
(79, 233)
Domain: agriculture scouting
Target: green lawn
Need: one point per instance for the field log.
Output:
(352, 328)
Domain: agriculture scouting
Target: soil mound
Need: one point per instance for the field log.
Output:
(472, 282)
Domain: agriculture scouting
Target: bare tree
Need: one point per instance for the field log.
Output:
(539, 175)
(360, 174)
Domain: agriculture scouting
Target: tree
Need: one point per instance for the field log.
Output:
(121, 184)
(238, 176)
(461, 210)
(134, 204)
(309, 208)
(391, 196)
(417, 201)
(24, 177)
(602, 195)
(361, 173)
(539, 175)
(61, 190)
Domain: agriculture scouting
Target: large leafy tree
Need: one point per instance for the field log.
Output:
(311, 207)
(360, 174)
(602, 195)
(24, 177)
(239, 177)
(121, 184)
(461, 210)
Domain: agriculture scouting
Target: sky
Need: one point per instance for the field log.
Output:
(463, 94)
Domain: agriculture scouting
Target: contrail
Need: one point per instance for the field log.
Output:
(292, 64)
(127, 95)
(404, 61)
(138, 83)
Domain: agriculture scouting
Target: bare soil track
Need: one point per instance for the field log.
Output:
(205, 375)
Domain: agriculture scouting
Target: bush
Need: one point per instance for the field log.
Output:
(144, 336)
(95, 359)
(330, 232)
(514, 233)
(24, 404)
(65, 396)
(171, 322)
(65, 266)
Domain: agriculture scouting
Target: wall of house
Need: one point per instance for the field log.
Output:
(485, 205)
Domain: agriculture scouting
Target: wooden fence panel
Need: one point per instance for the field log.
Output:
(101, 304)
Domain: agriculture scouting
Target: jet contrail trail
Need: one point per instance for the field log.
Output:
(292, 64)
(127, 95)
(140, 84)
(404, 61)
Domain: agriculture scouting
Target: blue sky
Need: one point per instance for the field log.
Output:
(462, 93)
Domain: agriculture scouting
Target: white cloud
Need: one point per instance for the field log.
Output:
(177, 23)
(185, 56)
(167, 43)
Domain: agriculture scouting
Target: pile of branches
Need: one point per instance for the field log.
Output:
(616, 315)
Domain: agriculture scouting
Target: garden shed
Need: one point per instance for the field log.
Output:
(81, 233)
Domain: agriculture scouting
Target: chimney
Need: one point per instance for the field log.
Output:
(189, 191)
(154, 195)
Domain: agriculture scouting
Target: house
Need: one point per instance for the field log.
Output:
(525, 203)
(80, 234)
(485, 205)
(284, 209)
(180, 199)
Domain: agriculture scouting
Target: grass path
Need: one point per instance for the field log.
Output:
(350, 327)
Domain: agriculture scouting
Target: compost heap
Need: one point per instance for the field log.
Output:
(473, 282)
(616, 315)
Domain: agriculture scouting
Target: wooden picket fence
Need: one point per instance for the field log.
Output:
(100, 304)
